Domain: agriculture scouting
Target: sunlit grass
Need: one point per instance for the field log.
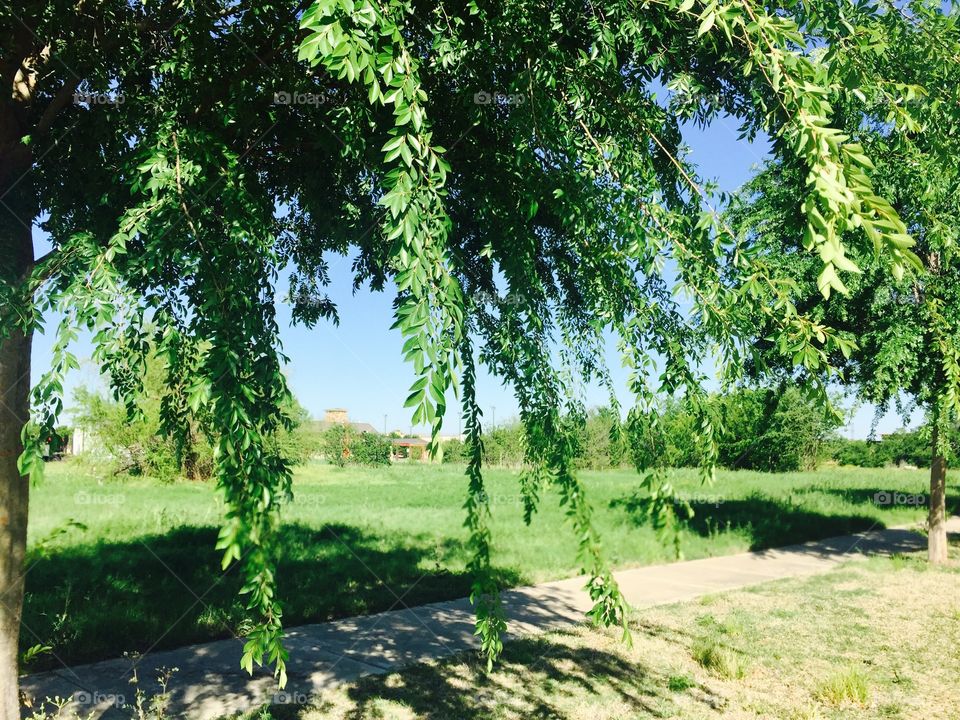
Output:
(115, 562)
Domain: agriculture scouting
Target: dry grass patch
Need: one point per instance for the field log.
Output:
(875, 639)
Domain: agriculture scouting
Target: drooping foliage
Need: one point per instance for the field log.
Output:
(161, 443)
(899, 100)
(514, 171)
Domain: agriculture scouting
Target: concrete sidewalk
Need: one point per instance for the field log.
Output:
(210, 683)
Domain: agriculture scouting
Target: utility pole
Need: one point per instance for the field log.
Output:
(384, 423)
(493, 417)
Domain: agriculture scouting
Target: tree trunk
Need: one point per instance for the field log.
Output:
(14, 494)
(16, 259)
(936, 522)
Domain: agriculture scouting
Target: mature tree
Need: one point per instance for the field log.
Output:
(506, 168)
(900, 101)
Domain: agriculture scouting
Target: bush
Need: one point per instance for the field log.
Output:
(342, 445)
(335, 444)
(142, 445)
(370, 449)
(907, 447)
(132, 446)
(602, 443)
(456, 451)
(771, 431)
(504, 445)
(756, 429)
(860, 453)
(910, 447)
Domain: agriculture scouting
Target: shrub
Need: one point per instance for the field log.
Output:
(504, 445)
(335, 444)
(456, 451)
(907, 447)
(758, 429)
(860, 453)
(911, 447)
(129, 445)
(342, 445)
(679, 683)
(370, 449)
(143, 444)
(771, 431)
(602, 443)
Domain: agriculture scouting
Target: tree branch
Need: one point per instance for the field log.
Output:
(56, 106)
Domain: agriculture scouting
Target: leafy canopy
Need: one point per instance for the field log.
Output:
(899, 100)
(513, 171)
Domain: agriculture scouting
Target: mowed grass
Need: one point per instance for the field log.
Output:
(129, 565)
(869, 640)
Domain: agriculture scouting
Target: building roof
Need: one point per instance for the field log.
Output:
(409, 442)
(364, 428)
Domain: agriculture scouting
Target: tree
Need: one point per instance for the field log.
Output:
(159, 439)
(772, 430)
(897, 76)
(505, 168)
(341, 444)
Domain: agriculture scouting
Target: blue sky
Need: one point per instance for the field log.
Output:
(358, 365)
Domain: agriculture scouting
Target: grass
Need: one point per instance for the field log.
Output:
(711, 654)
(846, 686)
(869, 640)
(129, 565)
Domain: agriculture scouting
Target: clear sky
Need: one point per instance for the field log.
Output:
(358, 365)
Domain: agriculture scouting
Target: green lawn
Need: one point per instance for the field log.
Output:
(118, 565)
(865, 641)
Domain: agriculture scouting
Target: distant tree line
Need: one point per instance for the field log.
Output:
(762, 429)
(903, 447)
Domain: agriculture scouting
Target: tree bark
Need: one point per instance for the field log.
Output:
(936, 521)
(14, 499)
(16, 259)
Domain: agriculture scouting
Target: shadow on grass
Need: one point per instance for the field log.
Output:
(768, 522)
(99, 600)
(558, 677)
(886, 498)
